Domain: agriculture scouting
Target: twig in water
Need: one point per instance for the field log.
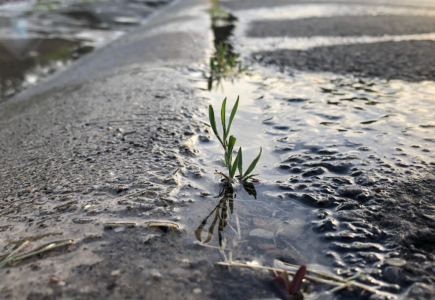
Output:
(339, 284)
(318, 273)
(237, 264)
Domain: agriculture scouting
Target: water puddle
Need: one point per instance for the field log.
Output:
(328, 143)
(37, 39)
(331, 144)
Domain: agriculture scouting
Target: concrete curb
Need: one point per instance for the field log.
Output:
(113, 124)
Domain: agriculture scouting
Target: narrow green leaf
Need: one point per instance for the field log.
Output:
(233, 113)
(248, 177)
(224, 163)
(213, 124)
(212, 64)
(233, 61)
(286, 277)
(210, 83)
(231, 144)
(234, 167)
(253, 164)
(223, 119)
(229, 151)
(240, 165)
(227, 160)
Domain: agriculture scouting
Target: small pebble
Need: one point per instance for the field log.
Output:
(154, 273)
(261, 233)
(119, 229)
(197, 291)
(150, 236)
(397, 262)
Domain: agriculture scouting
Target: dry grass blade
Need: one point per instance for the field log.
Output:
(237, 264)
(339, 285)
(318, 273)
(11, 256)
(43, 249)
(163, 225)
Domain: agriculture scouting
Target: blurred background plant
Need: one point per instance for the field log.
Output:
(224, 64)
(216, 11)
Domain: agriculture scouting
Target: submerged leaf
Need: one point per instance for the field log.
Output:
(281, 288)
(284, 275)
(297, 279)
(250, 189)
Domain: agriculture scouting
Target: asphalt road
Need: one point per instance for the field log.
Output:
(406, 60)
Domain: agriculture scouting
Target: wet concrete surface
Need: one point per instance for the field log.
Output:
(90, 139)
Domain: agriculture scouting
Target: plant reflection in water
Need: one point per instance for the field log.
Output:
(220, 212)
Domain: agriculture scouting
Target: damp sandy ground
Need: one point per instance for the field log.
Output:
(115, 154)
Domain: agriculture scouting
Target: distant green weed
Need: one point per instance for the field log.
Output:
(216, 11)
(228, 143)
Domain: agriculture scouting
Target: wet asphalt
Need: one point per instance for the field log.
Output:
(406, 60)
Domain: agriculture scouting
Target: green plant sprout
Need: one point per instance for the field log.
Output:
(228, 144)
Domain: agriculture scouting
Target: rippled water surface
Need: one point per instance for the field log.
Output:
(328, 142)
